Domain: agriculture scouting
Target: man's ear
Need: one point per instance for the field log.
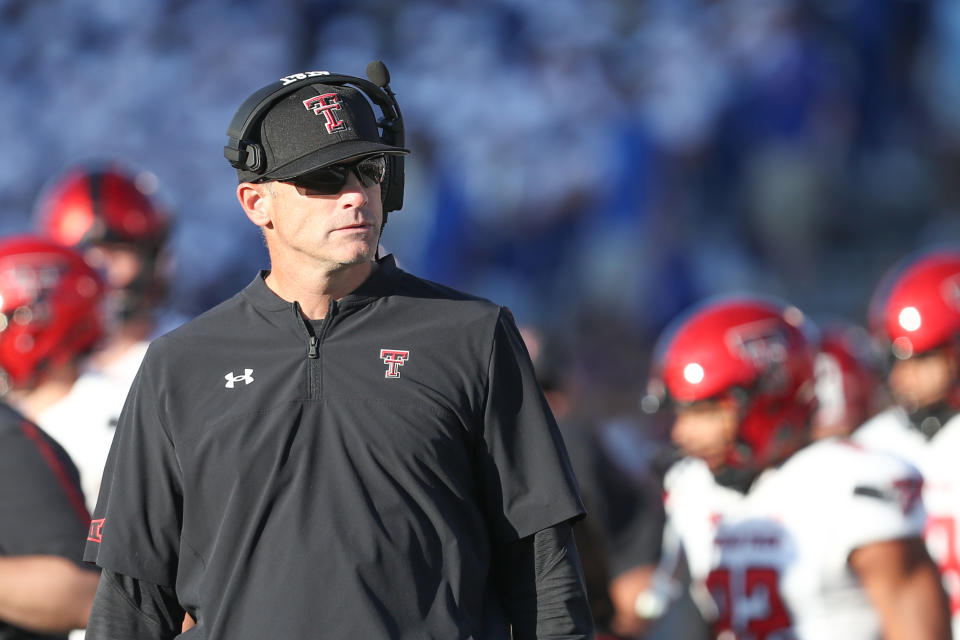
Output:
(256, 203)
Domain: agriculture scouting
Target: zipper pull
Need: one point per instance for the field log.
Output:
(314, 350)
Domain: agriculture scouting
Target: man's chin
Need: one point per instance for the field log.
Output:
(359, 257)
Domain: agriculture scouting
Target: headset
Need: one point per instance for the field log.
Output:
(245, 154)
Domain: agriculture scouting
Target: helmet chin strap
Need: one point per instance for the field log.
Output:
(929, 420)
(737, 479)
(782, 445)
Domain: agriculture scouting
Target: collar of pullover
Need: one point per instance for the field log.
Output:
(377, 285)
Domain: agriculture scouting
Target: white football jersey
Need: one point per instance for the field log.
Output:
(938, 459)
(123, 370)
(84, 420)
(774, 560)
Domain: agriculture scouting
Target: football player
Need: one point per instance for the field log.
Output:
(52, 305)
(107, 213)
(785, 539)
(48, 319)
(915, 313)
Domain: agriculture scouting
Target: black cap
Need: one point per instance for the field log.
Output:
(316, 126)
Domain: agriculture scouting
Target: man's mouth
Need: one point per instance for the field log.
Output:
(358, 226)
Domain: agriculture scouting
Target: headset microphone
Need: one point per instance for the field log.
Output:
(378, 74)
(393, 130)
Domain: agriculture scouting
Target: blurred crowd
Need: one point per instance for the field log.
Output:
(598, 167)
(604, 162)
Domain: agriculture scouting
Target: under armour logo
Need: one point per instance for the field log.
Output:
(95, 534)
(324, 105)
(247, 377)
(394, 359)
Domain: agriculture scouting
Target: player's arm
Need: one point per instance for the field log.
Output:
(43, 584)
(542, 588)
(882, 529)
(625, 590)
(44, 593)
(127, 608)
(904, 586)
(635, 552)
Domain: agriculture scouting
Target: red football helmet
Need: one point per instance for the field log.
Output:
(100, 210)
(849, 385)
(917, 307)
(755, 351)
(49, 308)
(101, 205)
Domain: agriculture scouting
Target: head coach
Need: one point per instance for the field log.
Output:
(341, 450)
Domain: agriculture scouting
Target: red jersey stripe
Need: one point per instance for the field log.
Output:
(73, 493)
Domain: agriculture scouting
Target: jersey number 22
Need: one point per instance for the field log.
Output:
(755, 609)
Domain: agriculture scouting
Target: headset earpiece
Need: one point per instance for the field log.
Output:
(245, 154)
(254, 159)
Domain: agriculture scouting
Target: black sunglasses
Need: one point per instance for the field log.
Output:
(330, 180)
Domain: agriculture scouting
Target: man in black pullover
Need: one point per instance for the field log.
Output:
(341, 450)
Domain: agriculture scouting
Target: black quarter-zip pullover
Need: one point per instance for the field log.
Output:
(346, 480)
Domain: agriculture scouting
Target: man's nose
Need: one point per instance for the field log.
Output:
(353, 190)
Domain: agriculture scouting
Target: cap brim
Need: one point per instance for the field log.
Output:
(331, 155)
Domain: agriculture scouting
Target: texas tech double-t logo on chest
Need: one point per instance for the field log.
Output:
(394, 359)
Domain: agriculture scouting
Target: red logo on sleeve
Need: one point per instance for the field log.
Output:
(96, 531)
(909, 491)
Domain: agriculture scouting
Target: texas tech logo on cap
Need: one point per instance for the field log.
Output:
(325, 104)
(394, 359)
